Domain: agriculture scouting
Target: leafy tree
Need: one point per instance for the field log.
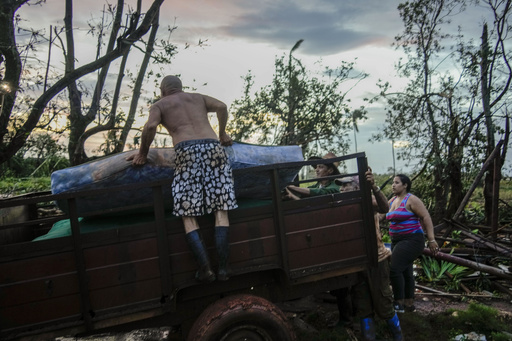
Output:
(40, 156)
(15, 127)
(297, 109)
(439, 112)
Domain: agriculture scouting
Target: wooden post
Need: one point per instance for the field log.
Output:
(495, 198)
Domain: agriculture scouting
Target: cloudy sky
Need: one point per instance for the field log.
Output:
(243, 35)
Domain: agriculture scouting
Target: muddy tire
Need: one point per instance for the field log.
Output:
(241, 317)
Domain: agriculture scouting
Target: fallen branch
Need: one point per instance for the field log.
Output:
(489, 244)
(502, 288)
(470, 244)
(435, 292)
(467, 251)
(465, 288)
(470, 264)
(464, 230)
(431, 289)
(486, 164)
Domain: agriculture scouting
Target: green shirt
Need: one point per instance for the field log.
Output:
(318, 189)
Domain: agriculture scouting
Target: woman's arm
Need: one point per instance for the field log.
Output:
(416, 206)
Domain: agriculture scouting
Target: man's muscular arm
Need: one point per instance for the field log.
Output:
(148, 134)
(221, 109)
(381, 202)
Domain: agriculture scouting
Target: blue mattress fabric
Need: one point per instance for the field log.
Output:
(116, 170)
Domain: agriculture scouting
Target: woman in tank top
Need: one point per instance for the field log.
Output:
(409, 220)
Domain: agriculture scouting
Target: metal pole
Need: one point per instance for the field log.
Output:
(393, 151)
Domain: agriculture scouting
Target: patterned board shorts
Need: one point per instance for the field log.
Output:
(203, 180)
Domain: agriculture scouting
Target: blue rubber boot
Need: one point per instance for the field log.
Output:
(368, 329)
(394, 326)
(222, 245)
(195, 242)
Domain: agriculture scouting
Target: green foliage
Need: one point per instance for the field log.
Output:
(435, 271)
(477, 318)
(475, 212)
(498, 336)
(298, 108)
(17, 186)
(480, 317)
(40, 156)
(438, 326)
(385, 236)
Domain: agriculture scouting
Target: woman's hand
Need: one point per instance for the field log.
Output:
(432, 245)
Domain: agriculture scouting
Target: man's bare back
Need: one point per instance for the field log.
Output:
(184, 115)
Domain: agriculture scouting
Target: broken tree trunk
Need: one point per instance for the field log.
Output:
(482, 241)
(503, 251)
(470, 264)
(486, 164)
(467, 251)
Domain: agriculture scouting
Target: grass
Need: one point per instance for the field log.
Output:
(18, 186)
(478, 318)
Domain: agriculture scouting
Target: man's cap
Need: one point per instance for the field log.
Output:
(345, 180)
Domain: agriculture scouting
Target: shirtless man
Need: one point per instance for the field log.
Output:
(203, 181)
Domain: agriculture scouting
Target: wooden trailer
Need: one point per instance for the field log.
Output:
(113, 267)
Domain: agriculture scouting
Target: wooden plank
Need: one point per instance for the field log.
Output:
(40, 311)
(324, 217)
(319, 237)
(254, 229)
(335, 252)
(37, 267)
(126, 294)
(39, 289)
(123, 273)
(117, 253)
(80, 264)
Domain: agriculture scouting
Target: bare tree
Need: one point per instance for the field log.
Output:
(13, 137)
(496, 77)
(443, 114)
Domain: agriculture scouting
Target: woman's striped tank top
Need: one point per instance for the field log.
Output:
(402, 221)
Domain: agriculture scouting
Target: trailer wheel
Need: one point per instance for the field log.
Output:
(241, 317)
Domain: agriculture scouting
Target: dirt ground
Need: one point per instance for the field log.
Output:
(314, 316)
(314, 319)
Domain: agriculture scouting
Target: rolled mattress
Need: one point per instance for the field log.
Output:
(116, 170)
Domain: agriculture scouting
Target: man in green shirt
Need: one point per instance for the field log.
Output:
(321, 187)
